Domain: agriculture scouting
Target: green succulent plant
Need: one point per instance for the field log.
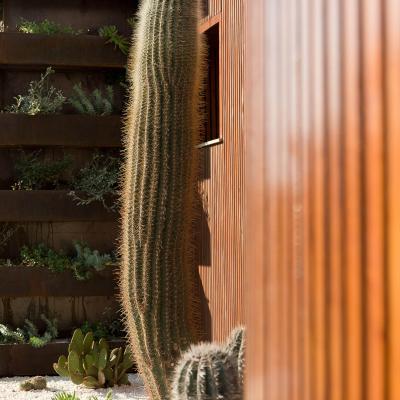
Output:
(29, 333)
(93, 364)
(95, 103)
(112, 36)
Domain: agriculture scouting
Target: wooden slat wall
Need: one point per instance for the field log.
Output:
(322, 232)
(221, 258)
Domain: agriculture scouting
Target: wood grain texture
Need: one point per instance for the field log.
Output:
(220, 249)
(322, 129)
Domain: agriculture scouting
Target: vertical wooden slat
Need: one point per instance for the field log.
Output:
(334, 143)
(318, 260)
(392, 70)
(373, 197)
(353, 360)
(306, 204)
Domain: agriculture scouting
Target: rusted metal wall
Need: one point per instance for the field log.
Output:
(221, 261)
(323, 199)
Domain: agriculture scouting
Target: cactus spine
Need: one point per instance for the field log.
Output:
(162, 128)
(211, 372)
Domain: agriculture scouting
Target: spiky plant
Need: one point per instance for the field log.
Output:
(211, 371)
(162, 128)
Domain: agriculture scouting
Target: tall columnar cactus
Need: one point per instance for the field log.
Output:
(162, 129)
(211, 372)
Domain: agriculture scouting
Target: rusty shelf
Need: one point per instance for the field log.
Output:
(59, 51)
(25, 360)
(22, 281)
(48, 206)
(60, 130)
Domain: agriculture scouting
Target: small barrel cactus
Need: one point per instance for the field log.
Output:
(92, 364)
(211, 372)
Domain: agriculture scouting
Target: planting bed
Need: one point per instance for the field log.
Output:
(23, 359)
(59, 51)
(48, 205)
(9, 388)
(60, 130)
(22, 281)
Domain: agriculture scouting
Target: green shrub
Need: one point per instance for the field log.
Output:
(45, 27)
(95, 103)
(34, 173)
(29, 333)
(98, 181)
(42, 256)
(42, 98)
(112, 36)
(82, 264)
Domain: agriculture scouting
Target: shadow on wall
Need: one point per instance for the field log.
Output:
(203, 242)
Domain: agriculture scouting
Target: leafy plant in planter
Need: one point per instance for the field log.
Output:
(98, 181)
(82, 264)
(42, 256)
(112, 36)
(95, 103)
(46, 27)
(30, 333)
(42, 98)
(109, 327)
(34, 173)
(92, 364)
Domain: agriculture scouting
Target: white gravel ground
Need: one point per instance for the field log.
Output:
(9, 389)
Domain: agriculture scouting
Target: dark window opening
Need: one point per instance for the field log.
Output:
(211, 131)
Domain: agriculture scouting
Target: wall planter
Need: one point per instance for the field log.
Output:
(59, 51)
(22, 281)
(60, 130)
(25, 360)
(48, 206)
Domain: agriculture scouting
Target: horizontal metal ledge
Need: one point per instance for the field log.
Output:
(23, 281)
(60, 51)
(210, 143)
(19, 130)
(48, 206)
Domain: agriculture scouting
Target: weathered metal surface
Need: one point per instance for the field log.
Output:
(19, 130)
(25, 360)
(48, 205)
(22, 281)
(59, 51)
(79, 14)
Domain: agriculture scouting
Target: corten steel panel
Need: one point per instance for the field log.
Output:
(323, 205)
(48, 205)
(221, 261)
(60, 130)
(25, 360)
(59, 51)
(21, 281)
(80, 14)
